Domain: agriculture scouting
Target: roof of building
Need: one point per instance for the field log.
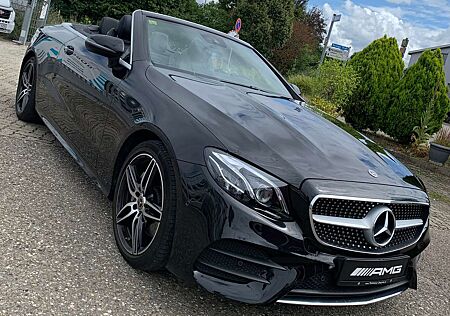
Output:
(424, 49)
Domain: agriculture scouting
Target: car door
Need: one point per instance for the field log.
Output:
(47, 45)
(82, 80)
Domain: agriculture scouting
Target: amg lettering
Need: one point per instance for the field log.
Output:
(367, 272)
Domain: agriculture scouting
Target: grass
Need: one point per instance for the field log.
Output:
(439, 197)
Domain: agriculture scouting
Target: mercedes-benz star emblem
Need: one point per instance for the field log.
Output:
(373, 173)
(383, 224)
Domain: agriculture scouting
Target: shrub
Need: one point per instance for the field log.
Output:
(422, 87)
(325, 105)
(421, 134)
(304, 82)
(335, 82)
(329, 87)
(380, 67)
(54, 17)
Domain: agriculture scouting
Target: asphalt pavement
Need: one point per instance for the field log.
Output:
(58, 255)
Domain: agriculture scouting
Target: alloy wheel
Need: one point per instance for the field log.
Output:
(26, 86)
(140, 204)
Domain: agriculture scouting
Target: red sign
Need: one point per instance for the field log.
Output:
(238, 25)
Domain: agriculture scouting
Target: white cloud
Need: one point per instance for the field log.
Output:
(361, 25)
(400, 1)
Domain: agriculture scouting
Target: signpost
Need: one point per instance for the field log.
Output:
(336, 18)
(238, 25)
(339, 52)
(341, 47)
(237, 28)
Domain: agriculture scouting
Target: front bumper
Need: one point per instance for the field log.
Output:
(363, 298)
(231, 250)
(8, 26)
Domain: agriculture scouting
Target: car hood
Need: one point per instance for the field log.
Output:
(5, 4)
(287, 138)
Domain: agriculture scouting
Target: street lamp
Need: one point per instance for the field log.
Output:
(336, 18)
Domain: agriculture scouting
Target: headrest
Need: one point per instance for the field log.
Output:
(124, 28)
(107, 24)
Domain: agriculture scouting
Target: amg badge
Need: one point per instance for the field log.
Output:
(367, 272)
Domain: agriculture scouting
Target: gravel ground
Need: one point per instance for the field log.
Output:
(59, 256)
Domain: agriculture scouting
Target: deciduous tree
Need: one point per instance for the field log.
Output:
(301, 53)
(92, 11)
(267, 24)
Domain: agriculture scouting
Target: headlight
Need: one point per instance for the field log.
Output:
(250, 186)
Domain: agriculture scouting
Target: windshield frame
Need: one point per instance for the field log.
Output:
(185, 23)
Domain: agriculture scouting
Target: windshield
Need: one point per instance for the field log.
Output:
(189, 49)
(5, 3)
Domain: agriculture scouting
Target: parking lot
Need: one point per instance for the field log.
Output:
(58, 254)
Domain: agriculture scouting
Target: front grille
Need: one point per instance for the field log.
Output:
(4, 14)
(359, 209)
(353, 239)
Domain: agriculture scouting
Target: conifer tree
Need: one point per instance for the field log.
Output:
(422, 86)
(380, 67)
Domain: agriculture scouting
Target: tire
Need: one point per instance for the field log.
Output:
(26, 92)
(131, 207)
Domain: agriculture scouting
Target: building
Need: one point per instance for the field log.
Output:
(445, 50)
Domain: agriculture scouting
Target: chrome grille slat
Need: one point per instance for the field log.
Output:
(361, 223)
(339, 222)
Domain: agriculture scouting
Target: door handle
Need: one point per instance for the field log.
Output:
(69, 50)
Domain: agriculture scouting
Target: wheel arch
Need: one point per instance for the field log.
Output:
(136, 137)
(30, 53)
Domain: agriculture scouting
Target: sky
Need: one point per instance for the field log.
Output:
(425, 22)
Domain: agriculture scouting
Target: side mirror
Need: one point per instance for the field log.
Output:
(295, 88)
(108, 46)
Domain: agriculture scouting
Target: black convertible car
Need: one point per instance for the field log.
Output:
(217, 168)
